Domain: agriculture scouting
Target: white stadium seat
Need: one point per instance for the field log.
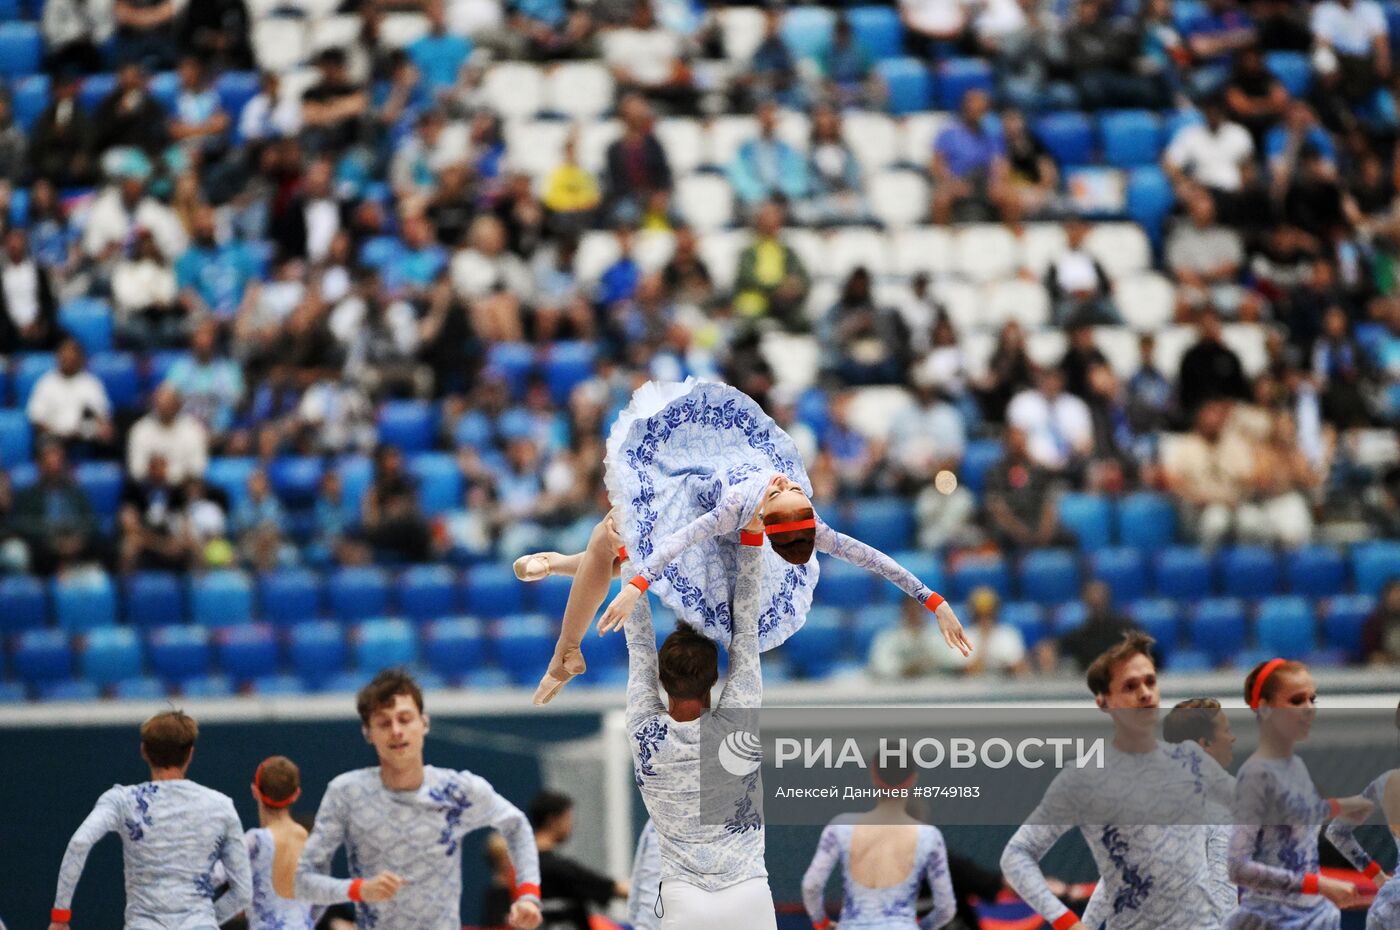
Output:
(720, 251)
(898, 198)
(279, 43)
(579, 90)
(963, 302)
(653, 248)
(1017, 299)
(594, 137)
(1122, 248)
(724, 135)
(985, 252)
(741, 31)
(848, 249)
(334, 32)
(1146, 301)
(873, 137)
(1119, 344)
(977, 346)
(810, 248)
(536, 147)
(917, 133)
(794, 359)
(400, 30)
(1046, 347)
(874, 409)
(1171, 344)
(1247, 339)
(795, 129)
(514, 90)
(597, 250)
(927, 249)
(820, 299)
(684, 142)
(705, 201)
(1040, 244)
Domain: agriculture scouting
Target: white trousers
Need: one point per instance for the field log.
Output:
(745, 906)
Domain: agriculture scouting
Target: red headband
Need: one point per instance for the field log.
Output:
(266, 801)
(808, 524)
(1269, 668)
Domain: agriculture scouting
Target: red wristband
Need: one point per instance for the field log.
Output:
(1310, 883)
(1065, 920)
(934, 601)
(1334, 807)
(750, 539)
(60, 916)
(355, 889)
(622, 553)
(822, 924)
(524, 889)
(640, 583)
(1372, 870)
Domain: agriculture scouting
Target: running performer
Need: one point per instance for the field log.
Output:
(688, 465)
(403, 823)
(1141, 814)
(1273, 847)
(174, 833)
(1384, 793)
(273, 849)
(885, 855)
(712, 873)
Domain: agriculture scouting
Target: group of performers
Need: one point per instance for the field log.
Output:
(712, 513)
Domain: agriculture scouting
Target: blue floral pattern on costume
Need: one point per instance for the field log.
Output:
(888, 908)
(746, 816)
(269, 910)
(141, 796)
(1134, 886)
(649, 737)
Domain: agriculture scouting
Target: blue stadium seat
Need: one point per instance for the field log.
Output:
(24, 604)
(1068, 136)
(102, 482)
(569, 364)
(878, 30)
(454, 647)
(119, 374)
(165, 88)
(1343, 621)
(980, 456)
(427, 592)
(408, 425)
(1285, 626)
(30, 367)
(111, 655)
(84, 602)
(88, 320)
(179, 653)
(867, 624)
(236, 89)
(925, 566)
(74, 691)
(907, 83)
(1249, 658)
(1219, 628)
(820, 643)
(980, 571)
(288, 596)
(1049, 576)
(1189, 661)
(806, 31)
(844, 585)
(1067, 617)
(513, 361)
(493, 591)
(1026, 616)
(1149, 199)
(278, 686)
(158, 365)
(1375, 564)
(142, 688)
(356, 475)
(358, 593)
(152, 599)
(381, 644)
(1159, 619)
(345, 682)
(42, 656)
(1183, 572)
(21, 48)
(1146, 521)
(526, 644)
(221, 598)
(247, 652)
(96, 88)
(207, 686)
(1089, 517)
(12, 692)
(1249, 571)
(31, 99)
(1315, 571)
(439, 482)
(1131, 138)
(16, 439)
(607, 652)
(887, 523)
(317, 650)
(1124, 570)
(548, 595)
(957, 76)
(295, 479)
(1293, 71)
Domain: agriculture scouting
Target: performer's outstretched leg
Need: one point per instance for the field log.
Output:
(593, 575)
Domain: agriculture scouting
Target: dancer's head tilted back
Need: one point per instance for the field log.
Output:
(789, 520)
(276, 784)
(688, 665)
(167, 740)
(391, 712)
(1201, 721)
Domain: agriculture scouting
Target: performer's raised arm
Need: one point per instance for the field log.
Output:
(1341, 832)
(743, 687)
(643, 696)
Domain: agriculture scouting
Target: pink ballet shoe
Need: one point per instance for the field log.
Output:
(561, 670)
(533, 567)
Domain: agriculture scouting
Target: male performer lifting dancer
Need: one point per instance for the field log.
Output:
(174, 832)
(403, 822)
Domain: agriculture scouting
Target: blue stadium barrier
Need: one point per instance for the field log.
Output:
(221, 598)
(384, 643)
(84, 602)
(247, 652)
(111, 655)
(1183, 572)
(24, 604)
(1124, 570)
(877, 30)
(454, 647)
(317, 650)
(1285, 626)
(908, 85)
(427, 592)
(1049, 576)
(1089, 517)
(358, 593)
(290, 595)
(1219, 628)
(1248, 571)
(179, 653)
(1315, 571)
(152, 599)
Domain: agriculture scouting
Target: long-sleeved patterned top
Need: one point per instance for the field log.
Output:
(887, 908)
(1141, 816)
(415, 834)
(697, 847)
(1273, 847)
(173, 835)
(268, 910)
(1385, 909)
(645, 886)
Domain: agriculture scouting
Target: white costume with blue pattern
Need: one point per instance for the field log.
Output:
(888, 908)
(686, 467)
(417, 835)
(269, 910)
(174, 833)
(645, 887)
(1274, 846)
(1141, 815)
(1385, 909)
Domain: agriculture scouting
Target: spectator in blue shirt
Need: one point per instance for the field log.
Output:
(259, 522)
(199, 121)
(212, 387)
(768, 167)
(969, 162)
(772, 71)
(619, 280)
(548, 29)
(1213, 38)
(847, 67)
(439, 54)
(213, 276)
(417, 261)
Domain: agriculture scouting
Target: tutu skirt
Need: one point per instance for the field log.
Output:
(674, 453)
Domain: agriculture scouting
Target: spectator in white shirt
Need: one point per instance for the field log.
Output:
(144, 294)
(494, 280)
(913, 649)
(996, 646)
(28, 311)
(1205, 258)
(1351, 58)
(120, 211)
(1080, 292)
(272, 114)
(1214, 154)
(933, 22)
(647, 59)
(168, 433)
(1058, 427)
(69, 403)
